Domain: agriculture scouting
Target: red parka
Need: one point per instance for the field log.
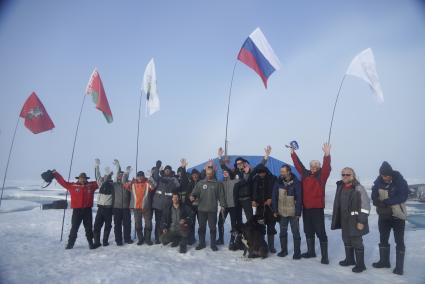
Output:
(81, 194)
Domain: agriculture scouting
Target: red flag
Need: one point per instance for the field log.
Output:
(36, 117)
(96, 90)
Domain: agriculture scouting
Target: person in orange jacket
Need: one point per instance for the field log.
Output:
(82, 193)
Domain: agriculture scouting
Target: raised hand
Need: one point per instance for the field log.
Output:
(268, 150)
(183, 163)
(128, 169)
(116, 162)
(326, 149)
(97, 161)
(220, 152)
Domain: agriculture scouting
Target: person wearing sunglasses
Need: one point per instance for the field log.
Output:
(350, 214)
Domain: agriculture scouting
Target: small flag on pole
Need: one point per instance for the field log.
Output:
(257, 53)
(96, 90)
(150, 88)
(363, 66)
(36, 118)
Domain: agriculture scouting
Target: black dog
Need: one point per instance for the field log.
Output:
(251, 235)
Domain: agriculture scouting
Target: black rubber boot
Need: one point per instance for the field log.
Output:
(349, 257)
(232, 241)
(201, 244)
(311, 251)
(359, 261)
(283, 247)
(220, 240)
(106, 237)
(270, 243)
(324, 251)
(213, 244)
(297, 249)
(384, 257)
(91, 245)
(183, 245)
(96, 237)
(399, 262)
(140, 237)
(148, 234)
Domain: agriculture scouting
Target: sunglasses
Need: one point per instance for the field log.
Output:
(346, 175)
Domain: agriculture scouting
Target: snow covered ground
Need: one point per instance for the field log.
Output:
(30, 252)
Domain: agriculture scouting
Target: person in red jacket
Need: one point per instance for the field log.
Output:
(314, 183)
(82, 193)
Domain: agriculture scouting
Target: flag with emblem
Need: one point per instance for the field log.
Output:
(36, 118)
(150, 88)
(97, 92)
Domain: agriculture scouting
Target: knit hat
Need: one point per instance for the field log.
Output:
(167, 167)
(386, 169)
(195, 171)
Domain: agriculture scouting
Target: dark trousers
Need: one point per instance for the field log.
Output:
(174, 237)
(295, 227)
(158, 216)
(222, 218)
(385, 224)
(314, 223)
(203, 217)
(139, 216)
(246, 206)
(192, 224)
(269, 220)
(122, 220)
(103, 216)
(81, 215)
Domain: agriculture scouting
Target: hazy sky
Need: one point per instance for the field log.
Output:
(51, 47)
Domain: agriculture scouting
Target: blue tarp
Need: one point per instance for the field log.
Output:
(272, 163)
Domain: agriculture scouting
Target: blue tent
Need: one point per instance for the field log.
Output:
(272, 163)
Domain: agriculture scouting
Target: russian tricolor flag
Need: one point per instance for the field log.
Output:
(257, 53)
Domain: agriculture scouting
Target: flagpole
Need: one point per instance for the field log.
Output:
(8, 159)
(72, 158)
(138, 130)
(333, 112)
(228, 110)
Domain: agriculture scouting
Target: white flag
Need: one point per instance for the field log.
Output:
(364, 67)
(150, 89)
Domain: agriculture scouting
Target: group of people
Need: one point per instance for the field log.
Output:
(177, 200)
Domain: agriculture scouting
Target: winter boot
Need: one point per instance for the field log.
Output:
(324, 251)
(70, 244)
(148, 237)
(297, 249)
(399, 262)
(283, 246)
(349, 257)
(232, 241)
(201, 244)
(220, 240)
(359, 261)
(106, 237)
(270, 243)
(213, 243)
(191, 240)
(96, 237)
(140, 237)
(384, 257)
(183, 245)
(91, 245)
(311, 251)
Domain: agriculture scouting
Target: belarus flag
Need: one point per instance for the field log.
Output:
(257, 53)
(96, 90)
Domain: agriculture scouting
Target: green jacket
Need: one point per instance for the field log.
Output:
(209, 193)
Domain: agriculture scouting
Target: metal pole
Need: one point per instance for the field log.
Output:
(72, 158)
(333, 112)
(8, 159)
(228, 110)
(138, 130)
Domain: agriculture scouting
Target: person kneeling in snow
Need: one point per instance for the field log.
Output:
(82, 193)
(176, 223)
(350, 213)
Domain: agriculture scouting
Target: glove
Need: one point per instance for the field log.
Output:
(107, 170)
(128, 169)
(97, 161)
(158, 164)
(116, 162)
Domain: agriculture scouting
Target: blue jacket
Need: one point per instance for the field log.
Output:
(398, 190)
(293, 188)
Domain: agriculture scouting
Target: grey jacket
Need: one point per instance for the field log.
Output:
(121, 196)
(163, 192)
(229, 196)
(209, 193)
